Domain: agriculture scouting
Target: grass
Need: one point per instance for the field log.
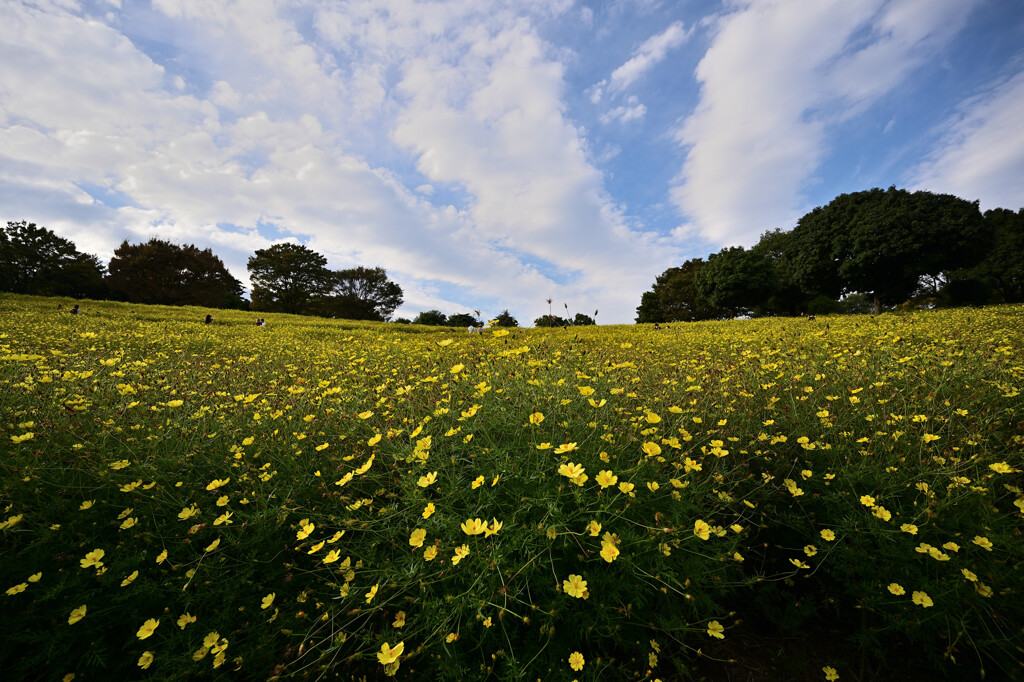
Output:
(767, 499)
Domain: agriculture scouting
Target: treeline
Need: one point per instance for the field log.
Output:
(860, 253)
(286, 278)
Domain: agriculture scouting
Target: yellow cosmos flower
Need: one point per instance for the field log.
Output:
(209, 548)
(922, 599)
(428, 510)
(867, 500)
(372, 593)
(982, 542)
(77, 614)
(897, 589)
(473, 527)
(17, 589)
(457, 368)
(651, 449)
(827, 535)
(128, 579)
(575, 586)
(609, 552)
(570, 469)
(543, 446)
(34, 578)
(627, 489)
(576, 661)
(652, 418)
(716, 630)
(147, 628)
(909, 528)
(146, 659)
(536, 418)
(430, 553)
(389, 654)
(830, 673)
(493, 528)
(460, 554)
(399, 620)
(1001, 468)
(268, 600)
(969, 575)
(365, 415)
(332, 556)
(184, 619)
(426, 480)
(479, 481)
(87, 504)
(93, 558)
(566, 447)
(701, 529)
(417, 537)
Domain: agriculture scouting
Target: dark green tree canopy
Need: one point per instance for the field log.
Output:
(432, 317)
(551, 321)
(359, 294)
(34, 260)
(464, 320)
(285, 277)
(504, 319)
(582, 320)
(674, 297)
(882, 242)
(163, 273)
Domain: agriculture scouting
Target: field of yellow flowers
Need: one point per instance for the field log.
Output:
(787, 498)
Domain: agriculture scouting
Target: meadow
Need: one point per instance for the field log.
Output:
(320, 499)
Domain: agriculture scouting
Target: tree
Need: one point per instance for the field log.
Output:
(431, 317)
(463, 320)
(999, 277)
(551, 321)
(285, 277)
(504, 319)
(360, 294)
(675, 298)
(34, 260)
(736, 281)
(159, 272)
(883, 242)
(582, 320)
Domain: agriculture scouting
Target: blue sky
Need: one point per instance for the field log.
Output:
(492, 155)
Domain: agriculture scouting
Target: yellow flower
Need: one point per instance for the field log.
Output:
(473, 527)
(175, 403)
(651, 449)
(969, 575)
(595, 528)
(536, 418)
(983, 590)
(332, 556)
(424, 481)
(929, 437)
(479, 481)
(365, 415)
(493, 528)
(627, 489)
(372, 593)
(399, 620)
(184, 619)
(921, 598)
(982, 542)
(566, 447)
(17, 589)
(585, 391)
(609, 552)
(701, 529)
(147, 628)
(87, 504)
(867, 500)
(428, 510)
(77, 614)
(882, 513)
(209, 548)
(460, 554)
(810, 550)
(1001, 468)
(416, 539)
(429, 553)
(146, 659)
(896, 589)
(575, 586)
(93, 559)
(576, 661)
(653, 486)
(268, 600)
(34, 578)
(128, 580)
(544, 446)
(570, 469)
(716, 630)
(830, 673)
(452, 636)
(389, 654)
(909, 528)
(457, 368)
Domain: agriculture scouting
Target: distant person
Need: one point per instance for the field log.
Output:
(261, 322)
(208, 320)
(75, 310)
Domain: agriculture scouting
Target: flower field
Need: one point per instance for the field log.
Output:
(793, 499)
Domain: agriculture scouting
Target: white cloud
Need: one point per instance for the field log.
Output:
(654, 50)
(631, 111)
(980, 154)
(776, 76)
